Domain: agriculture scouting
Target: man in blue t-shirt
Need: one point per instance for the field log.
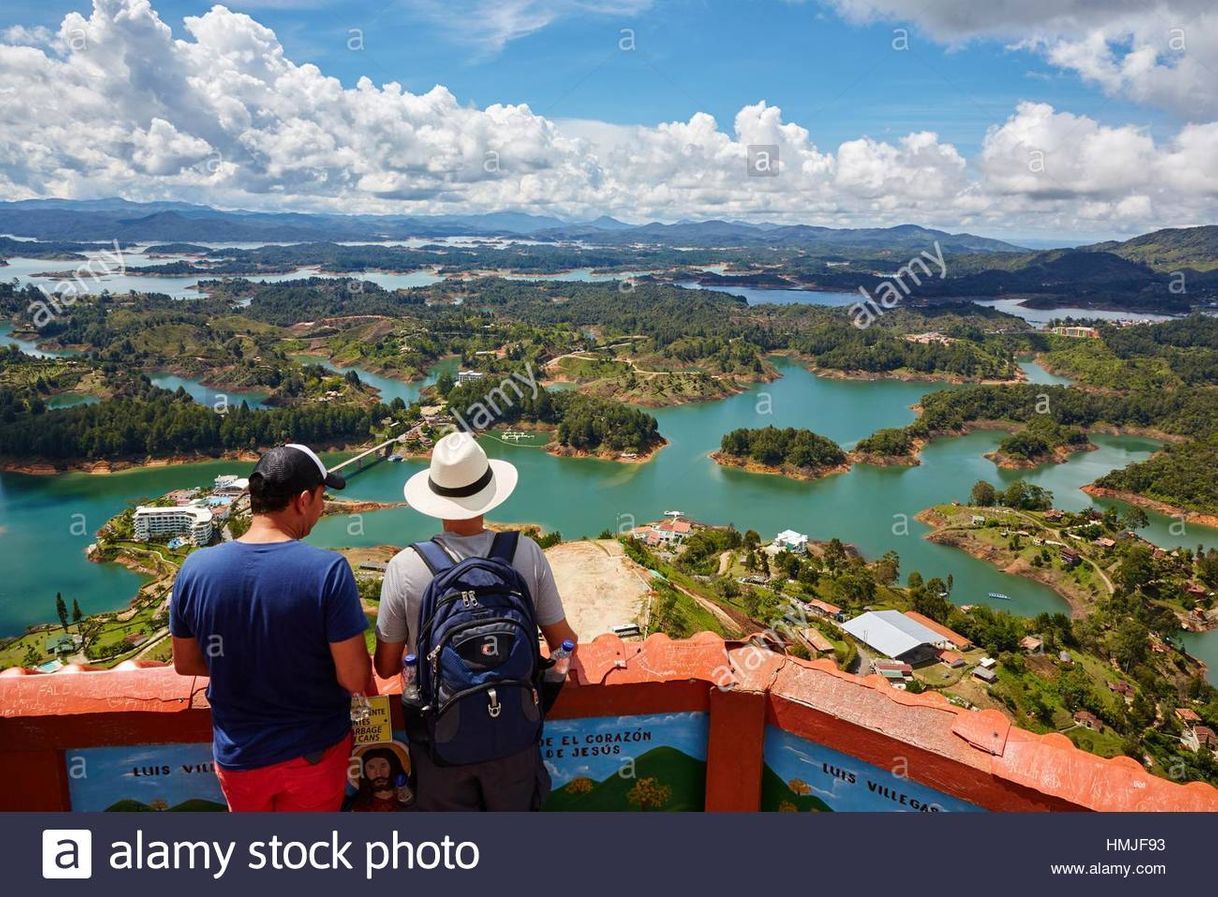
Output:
(278, 628)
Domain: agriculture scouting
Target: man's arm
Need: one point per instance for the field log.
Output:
(188, 659)
(388, 657)
(557, 633)
(551, 617)
(391, 627)
(345, 625)
(351, 663)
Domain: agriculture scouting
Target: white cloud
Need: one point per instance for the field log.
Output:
(114, 104)
(1163, 52)
(493, 23)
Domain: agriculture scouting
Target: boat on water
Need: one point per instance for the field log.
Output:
(674, 513)
(514, 435)
(999, 596)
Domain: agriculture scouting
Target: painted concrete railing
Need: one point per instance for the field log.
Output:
(697, 725)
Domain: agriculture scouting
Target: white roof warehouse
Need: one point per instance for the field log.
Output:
(891, 633)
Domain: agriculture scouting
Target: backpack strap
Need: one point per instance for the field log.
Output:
(434, 556)
(503, 546)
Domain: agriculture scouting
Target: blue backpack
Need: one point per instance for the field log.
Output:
(480, 667)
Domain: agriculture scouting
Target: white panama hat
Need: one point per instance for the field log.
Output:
(461, 482)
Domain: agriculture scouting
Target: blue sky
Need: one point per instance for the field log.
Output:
(1061, 118)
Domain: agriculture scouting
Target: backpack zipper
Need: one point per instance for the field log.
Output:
(460, 594)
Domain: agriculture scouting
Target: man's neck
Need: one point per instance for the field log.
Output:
(471, 527)
(268, 528)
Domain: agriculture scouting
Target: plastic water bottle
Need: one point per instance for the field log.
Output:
(410, 679)
(401, 788)
(562, 662)
(360, 708)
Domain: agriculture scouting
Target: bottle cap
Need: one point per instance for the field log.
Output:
(411, 659)
(568, 645)
(400, 779)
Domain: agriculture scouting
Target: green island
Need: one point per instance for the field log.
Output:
(800, 454)
(1180, 477)
(1041, 441)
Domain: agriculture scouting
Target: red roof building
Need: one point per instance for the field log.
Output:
(825, 609)
(959, 642)
(1122, 688)
(1089, 720)
(1031, 644)
(1199, 737)
(817, 640)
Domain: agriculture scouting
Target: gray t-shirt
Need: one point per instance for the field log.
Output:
(407, 576)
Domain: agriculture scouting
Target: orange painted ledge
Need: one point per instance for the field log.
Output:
(977, 756)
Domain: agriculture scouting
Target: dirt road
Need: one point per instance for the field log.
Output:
(600, 586)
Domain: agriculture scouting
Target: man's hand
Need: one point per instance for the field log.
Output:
(351, 663)
(188, 657)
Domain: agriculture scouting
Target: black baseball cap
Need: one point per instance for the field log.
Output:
(294, 468)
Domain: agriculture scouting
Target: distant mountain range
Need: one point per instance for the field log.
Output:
(714, 233)
(1169, 249)
(1171, 270)
(117, 219)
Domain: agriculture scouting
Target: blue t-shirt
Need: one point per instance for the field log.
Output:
(264, 616)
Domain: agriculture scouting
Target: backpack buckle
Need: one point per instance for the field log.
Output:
(494, 708)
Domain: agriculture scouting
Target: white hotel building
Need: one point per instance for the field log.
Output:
(191, 522)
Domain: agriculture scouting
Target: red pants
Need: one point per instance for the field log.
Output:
(293, 786)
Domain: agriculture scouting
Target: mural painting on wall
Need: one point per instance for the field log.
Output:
(378, 776)
(143, 777)
(631, 763)
(802, 776)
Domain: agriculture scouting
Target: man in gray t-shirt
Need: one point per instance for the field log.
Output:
(459, 487)
(407, 576)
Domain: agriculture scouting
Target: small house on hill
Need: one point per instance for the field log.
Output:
(1089, 720)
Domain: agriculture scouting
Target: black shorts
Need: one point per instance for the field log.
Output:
(517, 783)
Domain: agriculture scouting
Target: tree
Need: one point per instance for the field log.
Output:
(77, 616)
(1134, 518)
(61, 610)
(856, 584)
(1024, 496)
(983, 495)
(1130, 644)
(799, 786)
(888, 568)
(809, 575)
(930, 600)
(649, 794)
(1207, 567)
(1136, 568)
(835, 555)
